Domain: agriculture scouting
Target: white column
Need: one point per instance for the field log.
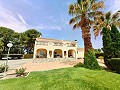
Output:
(34, 56)
(63, 54)
(75, 54)
(48, 56)
(66, 54)
(52, 54)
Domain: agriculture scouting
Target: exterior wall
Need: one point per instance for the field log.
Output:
(80, 54)
(51, 44)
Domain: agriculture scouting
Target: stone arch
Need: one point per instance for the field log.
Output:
(58, 53)
(71, 53)
(42, 53)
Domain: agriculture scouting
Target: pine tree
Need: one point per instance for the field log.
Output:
(106, 45)
(115, 36)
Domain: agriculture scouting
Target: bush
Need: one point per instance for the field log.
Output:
(79, 65)
(28, 56)
(20, 71)
(90, 61)
(114, 64)
(2, 68)
(98, 54)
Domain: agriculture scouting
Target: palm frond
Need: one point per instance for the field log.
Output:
(97, 5)
(72, 21)
(91, 14)
(91, 22)
(95, 13)
(102, 18)
(108, 15)
(80, 1)
(99, 13)
(75, 26)
(80, 24)
(116, 16)
(97, 29)
(71, 9)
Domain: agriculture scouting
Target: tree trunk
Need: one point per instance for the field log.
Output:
(87, 40)
(86, 33)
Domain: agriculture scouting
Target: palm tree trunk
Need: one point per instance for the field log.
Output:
(86, 33)
(87, 40)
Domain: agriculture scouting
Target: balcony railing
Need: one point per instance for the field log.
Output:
(55, 44)
(71, 45)
(41, 43)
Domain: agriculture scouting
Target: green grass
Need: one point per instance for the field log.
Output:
(65, 79)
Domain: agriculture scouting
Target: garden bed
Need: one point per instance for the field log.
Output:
(14, 76)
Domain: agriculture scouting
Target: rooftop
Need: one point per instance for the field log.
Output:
(49, 39)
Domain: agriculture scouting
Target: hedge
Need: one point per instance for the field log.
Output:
(114, 64)
(28, 56)
(14, 56)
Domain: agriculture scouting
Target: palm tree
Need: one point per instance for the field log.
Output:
(103, 26)
(83, 12)
(106, 21)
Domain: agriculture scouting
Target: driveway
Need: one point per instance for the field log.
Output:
(13, 64)
(41, 66)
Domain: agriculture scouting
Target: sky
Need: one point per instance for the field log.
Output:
(50, 17)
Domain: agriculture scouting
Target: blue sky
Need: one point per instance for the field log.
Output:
(50, 17)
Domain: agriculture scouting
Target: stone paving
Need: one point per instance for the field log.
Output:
(43, 65)
(13, 64)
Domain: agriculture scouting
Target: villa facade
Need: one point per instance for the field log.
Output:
(52, 48)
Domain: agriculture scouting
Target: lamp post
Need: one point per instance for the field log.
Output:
(9, 45)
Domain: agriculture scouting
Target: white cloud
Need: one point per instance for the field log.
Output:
(16, 22)
(12, 20)
(47, 27)
(23, 21)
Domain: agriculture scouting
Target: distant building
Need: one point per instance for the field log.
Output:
(53, 48)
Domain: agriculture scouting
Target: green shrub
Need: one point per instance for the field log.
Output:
(90, 61)
(2, 68)
(79, 65)
(114, 64)
(28, 56)
(20, 71)
(98, 54)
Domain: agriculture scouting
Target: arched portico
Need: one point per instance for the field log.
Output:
(42, 53)
(58, 53)
(71, 53)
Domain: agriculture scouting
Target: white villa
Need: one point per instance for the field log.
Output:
(52, 48)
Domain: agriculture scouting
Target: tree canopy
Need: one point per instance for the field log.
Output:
(21, 41)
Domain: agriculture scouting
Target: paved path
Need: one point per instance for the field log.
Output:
(13, 64)
(42, 66)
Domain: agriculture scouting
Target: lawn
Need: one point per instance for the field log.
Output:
(65, 79)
